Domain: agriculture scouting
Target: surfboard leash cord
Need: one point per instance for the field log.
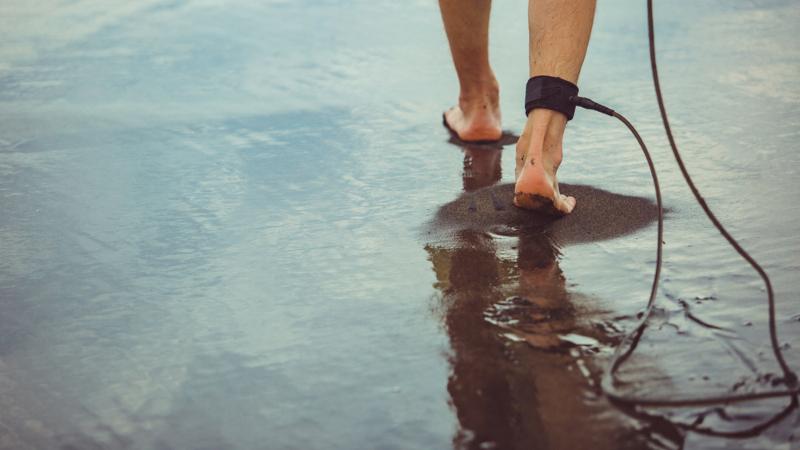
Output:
(629, 343)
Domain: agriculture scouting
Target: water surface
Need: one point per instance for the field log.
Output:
(214, 230)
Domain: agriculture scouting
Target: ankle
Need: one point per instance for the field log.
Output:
(546, 127)
(482, 93)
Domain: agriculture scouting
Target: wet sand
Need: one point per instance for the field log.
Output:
(243, 226)
(602, 215)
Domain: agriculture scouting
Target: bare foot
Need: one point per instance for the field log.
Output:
(477, 116)
(539, 153)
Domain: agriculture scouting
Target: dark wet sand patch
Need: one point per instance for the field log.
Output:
(599, 215)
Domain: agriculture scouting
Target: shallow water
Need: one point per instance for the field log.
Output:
(215, 230)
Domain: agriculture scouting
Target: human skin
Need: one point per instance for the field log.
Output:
(559, 32)
(476, 117)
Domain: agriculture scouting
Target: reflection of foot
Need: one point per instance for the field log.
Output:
(476, 118)
(481, 166)
(539, 154)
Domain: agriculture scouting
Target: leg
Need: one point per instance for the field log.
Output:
(559, 34)
(477, 115)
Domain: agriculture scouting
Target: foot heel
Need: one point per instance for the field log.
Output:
(536, 202)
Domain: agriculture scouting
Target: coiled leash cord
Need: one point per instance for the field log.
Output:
(628, 345)
(561, 95)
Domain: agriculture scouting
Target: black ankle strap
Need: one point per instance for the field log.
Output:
(551, 93)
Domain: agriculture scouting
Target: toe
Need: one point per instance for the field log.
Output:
(565, 204)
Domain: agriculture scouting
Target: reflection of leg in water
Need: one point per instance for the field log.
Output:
(548, 311)
(506, 394)
(489, 408)
(481, 166)
(477, 115)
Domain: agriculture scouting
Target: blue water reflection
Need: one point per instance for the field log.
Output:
(213, 218)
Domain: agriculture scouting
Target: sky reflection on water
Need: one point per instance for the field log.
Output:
(213, 228)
